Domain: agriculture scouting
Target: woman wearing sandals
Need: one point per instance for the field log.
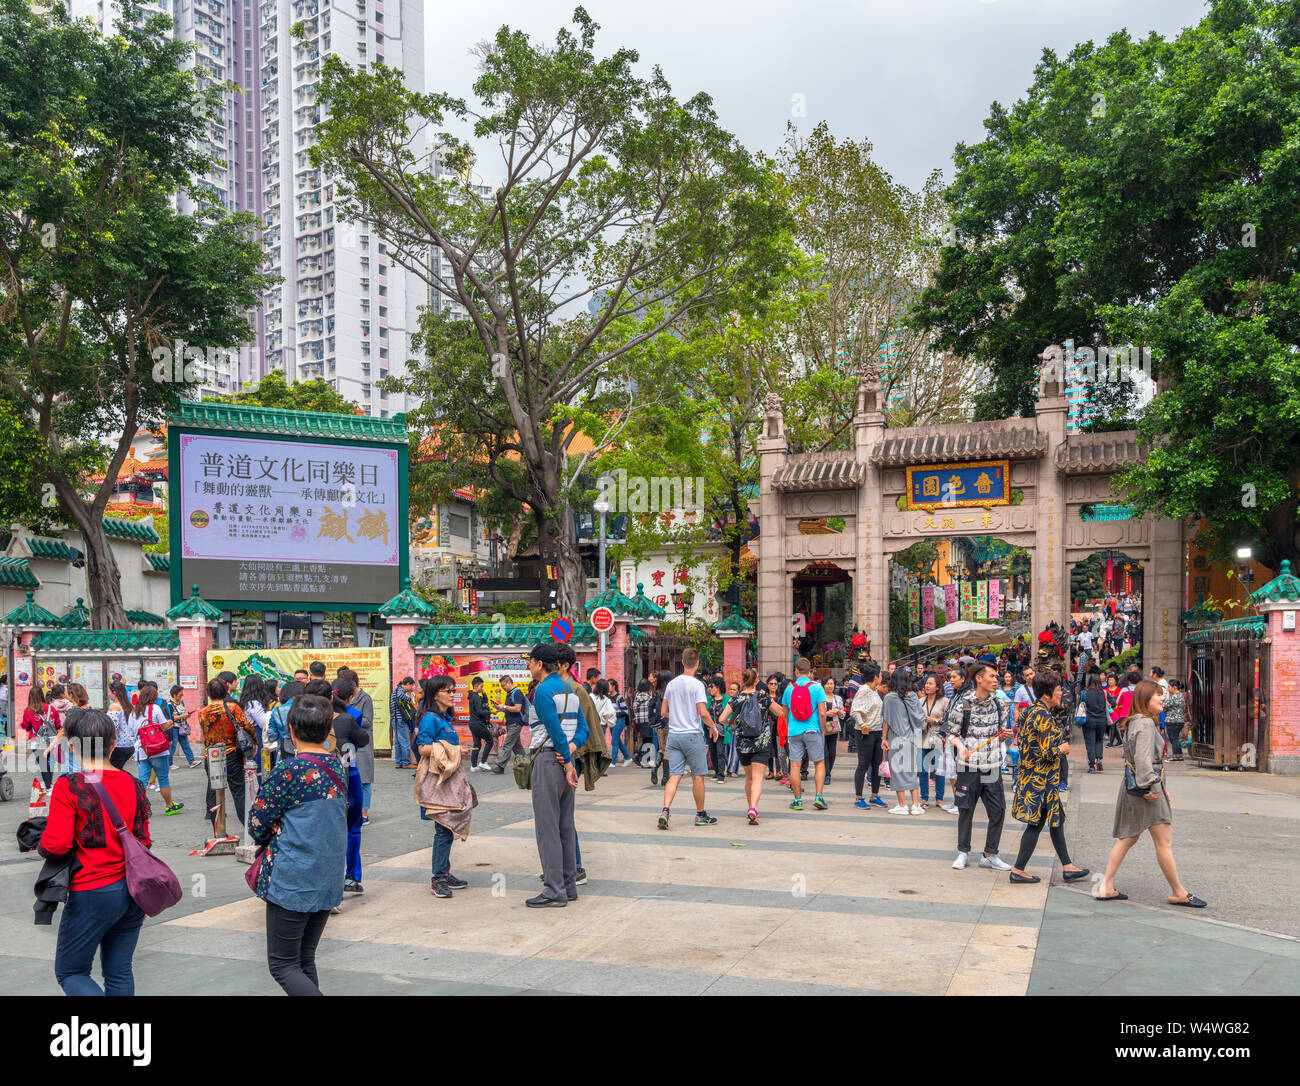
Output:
(754, 752)
(1148, 810)
(1044, 743)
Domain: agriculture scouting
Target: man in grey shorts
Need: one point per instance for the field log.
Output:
(805, 706)
(687, 712)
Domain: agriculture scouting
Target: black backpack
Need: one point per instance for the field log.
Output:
(749, 718)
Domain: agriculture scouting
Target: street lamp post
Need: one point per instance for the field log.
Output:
(1244, 555)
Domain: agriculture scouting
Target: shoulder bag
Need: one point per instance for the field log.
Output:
(245, 743)
(150, 882)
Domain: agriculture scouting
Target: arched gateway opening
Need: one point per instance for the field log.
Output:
(1025, 482)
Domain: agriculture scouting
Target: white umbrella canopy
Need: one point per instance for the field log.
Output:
(961, 633)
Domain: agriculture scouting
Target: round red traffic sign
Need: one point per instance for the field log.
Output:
(602, 618)
(561, 629)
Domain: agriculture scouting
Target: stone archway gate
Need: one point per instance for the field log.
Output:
(1058, 473)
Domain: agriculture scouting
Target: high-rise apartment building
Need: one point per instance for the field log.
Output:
(344, 310)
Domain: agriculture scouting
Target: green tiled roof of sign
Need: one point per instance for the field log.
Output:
(77, 618)
(161, 562)
(643, 606)
(1236, 628)
(105, 640)
(16, 573)
(273, 420)
(195, 607)
(614, 600)
(133, 530)
(406, 604)
(29, 614)
(734, 623)
(517, 635)
(145, 618)
(55, 550)
(1285, 586)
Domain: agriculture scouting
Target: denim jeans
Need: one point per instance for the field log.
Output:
(107, 920)
(616, 743)
(182, 741)
(365, 797)
(442, 839)
(354, 824)
(401, 744)
(931, 762)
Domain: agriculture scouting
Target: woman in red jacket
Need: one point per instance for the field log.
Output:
(37, 716)
(100, 914)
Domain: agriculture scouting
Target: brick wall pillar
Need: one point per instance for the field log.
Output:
(401, 656)
(1284, 687)
(733, 655)
(196, 638)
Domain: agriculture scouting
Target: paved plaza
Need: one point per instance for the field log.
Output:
(835, 902)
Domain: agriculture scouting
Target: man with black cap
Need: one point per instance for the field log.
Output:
(556, 724)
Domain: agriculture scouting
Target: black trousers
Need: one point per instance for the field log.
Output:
(1094, 738)
(718, 762)
(234, 785)
(832, 741)
(986, 788)
(120, 756)
(869, 755)
(1065, 769)
(1174, 733)
(481, 733)
(1029, 841)
(291, 941)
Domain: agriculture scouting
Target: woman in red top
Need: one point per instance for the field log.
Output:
(100, 914)
(35, 716)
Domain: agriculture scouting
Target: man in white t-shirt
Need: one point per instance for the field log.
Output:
(688, 713)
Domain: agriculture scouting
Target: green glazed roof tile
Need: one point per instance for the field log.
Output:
(145, 618)
(132, 530)
(644, 607)
(1285, 586)
(29, 614)
(161, 562)
(485, 635)
(271, 420)
(407, 604)
(77, 618)
(195, 607)
(734, 623)
(16, 573)
(614, 600)
(105, 640)
(54, 550)
(1235, 629)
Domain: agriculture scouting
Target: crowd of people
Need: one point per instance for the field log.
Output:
(954, 731)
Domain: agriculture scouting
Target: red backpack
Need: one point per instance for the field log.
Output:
(800, 701)
(153, 740)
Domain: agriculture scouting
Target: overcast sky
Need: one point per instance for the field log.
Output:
(913, 76)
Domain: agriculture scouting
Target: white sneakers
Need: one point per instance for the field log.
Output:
(951, 808)
(899, 810)
(996, 862)
(914, 810)
(960, 861)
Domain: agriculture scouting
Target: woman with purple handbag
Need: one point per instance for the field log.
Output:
(116, 880)
(300, 819)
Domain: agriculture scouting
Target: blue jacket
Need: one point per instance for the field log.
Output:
(548, 697)
(301, 815)
(434, 729)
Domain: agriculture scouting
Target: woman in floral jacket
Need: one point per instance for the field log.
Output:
(1037, 802)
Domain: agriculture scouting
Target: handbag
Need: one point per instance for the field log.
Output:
(150, 882)
(244, 742)
(524, 768)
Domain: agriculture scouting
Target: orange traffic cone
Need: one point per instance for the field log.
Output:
(39, 805)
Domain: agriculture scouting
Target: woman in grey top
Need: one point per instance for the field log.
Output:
(1175, 719)
(1149, 810)
(904, 720)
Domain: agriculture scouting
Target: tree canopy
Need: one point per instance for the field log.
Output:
(1143, 192)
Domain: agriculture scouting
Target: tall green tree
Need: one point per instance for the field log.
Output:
(1143, 193)
(98, 272)
(614, 197)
